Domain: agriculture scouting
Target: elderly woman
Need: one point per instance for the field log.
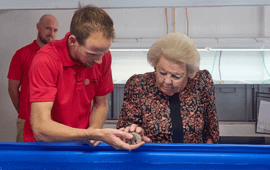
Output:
(176, 102)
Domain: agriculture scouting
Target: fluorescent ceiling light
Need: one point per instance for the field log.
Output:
(234, 49)
(203, 50)
(129, 49)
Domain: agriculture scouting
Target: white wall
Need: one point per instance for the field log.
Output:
(18, 28)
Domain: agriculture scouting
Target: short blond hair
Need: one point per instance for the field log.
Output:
(177, 47)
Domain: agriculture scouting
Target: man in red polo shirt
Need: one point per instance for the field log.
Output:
(18, 81)
(66, 75)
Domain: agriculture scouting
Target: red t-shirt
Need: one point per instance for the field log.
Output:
(55, 77)
(18, 70)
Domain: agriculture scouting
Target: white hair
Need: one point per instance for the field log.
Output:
(177, 47)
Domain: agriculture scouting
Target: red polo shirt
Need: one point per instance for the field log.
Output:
(18, 70)
(55, 77)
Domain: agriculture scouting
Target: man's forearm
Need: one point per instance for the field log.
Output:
(98, 115)
(14, 92)
(15, 98)
(47, 130)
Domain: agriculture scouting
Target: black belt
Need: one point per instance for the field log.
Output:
(176, 118)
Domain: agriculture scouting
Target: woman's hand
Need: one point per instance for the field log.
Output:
(137, 129)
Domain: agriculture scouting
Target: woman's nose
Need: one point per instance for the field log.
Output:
(168, 79)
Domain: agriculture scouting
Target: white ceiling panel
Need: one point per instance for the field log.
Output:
(71, 4)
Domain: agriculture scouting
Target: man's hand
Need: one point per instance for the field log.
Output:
(93, 143)
(113, 137)
(137, 129)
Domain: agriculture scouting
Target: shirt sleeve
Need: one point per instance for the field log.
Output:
(43, 78)
(106, 85)
(15, 71)
(211, 128)
(130, 112)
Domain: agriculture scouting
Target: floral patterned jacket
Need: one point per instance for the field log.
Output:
(145, 105)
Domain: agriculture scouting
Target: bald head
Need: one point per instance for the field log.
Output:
(46, 17)
(47, 29)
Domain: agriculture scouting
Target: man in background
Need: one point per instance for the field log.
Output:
(18, 80)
